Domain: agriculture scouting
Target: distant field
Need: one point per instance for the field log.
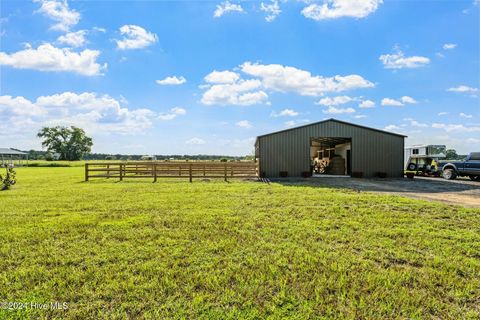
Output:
(239, 250)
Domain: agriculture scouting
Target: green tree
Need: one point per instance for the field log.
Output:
(451, 154)
(71, 143)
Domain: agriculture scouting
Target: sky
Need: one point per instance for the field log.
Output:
(207, 77)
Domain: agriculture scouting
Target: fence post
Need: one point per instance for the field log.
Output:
(121, 171)
(190, 172)
(204, 171)
(154, 172)
(231, 171)
(108, 171)
(86, 171)
(225, 172)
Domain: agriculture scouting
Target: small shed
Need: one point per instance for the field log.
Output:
(13, 157)
(330, 147)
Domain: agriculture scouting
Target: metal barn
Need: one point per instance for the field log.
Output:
(334, 146)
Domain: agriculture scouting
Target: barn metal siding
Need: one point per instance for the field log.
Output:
(372, 151)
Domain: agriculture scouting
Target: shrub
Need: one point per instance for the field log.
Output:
(223, 160)
(7, 181)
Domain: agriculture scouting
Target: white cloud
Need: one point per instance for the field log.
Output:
(74, 39)
(293, 123)
(98, 29)
(284, 78)
(391, 102)
(195, 141)
(285, 113)
(172, 81)
(398, 103)
(335, 101)
(229, 88)
(366, 104)
(464, 115)
(59, 11)
(20, 106)
(360, 116)
(443, 113)
(455, 127)
(49, 58)
(415, 123)
(334, 110)
(244, 124)
(393, 128)
(272, 10)
(243, 92)
(135, 37)
(333, 9)
(226, 7)
(222, 77)
(172, 114)
(91, 111)
(463, 89)
(407, 99)
(399, 61)
(449, 46)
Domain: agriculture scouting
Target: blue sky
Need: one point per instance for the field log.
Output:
(189, 77)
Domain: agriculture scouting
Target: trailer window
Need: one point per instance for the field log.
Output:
(415, 151)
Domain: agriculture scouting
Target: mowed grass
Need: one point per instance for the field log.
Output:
(238, 250)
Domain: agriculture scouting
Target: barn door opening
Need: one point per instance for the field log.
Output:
(331, 156)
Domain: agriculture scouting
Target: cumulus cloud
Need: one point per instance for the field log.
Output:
(228, 87)
(407, 99)
(449, 46)
(415, 123)
(464, 115)
(366, 104)
(392, 128)
(49, 58)
(360, 116)
(172, 114)
(242, 92)
(455, 127)
(334, 110)
(335, 101)
(398, 103)
(19, 106)
(195, 141)
(285, 113)
(334, 9)
(222, 77)
(398, 60)
(135, 37)
(74, 39)
(443, 113)
(226, 7)
(285, 78)
(244, 124)
(59, 12)
(272, 10)
(293, 123)
(91, 111)
(172, 81)
(463, 89)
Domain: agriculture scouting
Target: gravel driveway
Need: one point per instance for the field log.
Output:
(459, 192)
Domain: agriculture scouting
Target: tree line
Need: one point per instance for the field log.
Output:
(71, 144)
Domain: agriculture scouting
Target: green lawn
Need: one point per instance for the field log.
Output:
(239, 250)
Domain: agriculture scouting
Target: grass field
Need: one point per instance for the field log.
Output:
(239, 250)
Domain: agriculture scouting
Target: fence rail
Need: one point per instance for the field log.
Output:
(155, 169)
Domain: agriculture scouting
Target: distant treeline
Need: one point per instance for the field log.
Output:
(45, 155)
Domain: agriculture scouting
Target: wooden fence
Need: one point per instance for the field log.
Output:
(156, 169)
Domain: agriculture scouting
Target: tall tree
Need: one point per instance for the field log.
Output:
(71, 143)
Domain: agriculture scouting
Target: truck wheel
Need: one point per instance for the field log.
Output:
(449, 174)
(412, 167)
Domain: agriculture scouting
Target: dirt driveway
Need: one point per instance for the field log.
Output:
(459, 192)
